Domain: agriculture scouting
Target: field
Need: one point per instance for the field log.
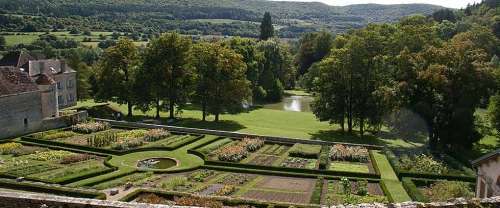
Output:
(100, 158)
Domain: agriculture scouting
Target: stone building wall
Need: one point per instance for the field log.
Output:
(488, 180)
(20, 113)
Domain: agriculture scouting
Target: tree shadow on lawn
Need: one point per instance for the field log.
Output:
(223, 125)
(381, 139)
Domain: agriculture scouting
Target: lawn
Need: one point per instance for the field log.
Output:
(303, 125)
(349, 167)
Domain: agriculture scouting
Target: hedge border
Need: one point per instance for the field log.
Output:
(225, 200)
(413, 191)
(63, 191)
(386, 191)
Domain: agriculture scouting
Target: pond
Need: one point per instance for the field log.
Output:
(157, 163)
(296, 103)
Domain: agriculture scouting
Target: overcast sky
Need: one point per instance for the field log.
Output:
(445, 3)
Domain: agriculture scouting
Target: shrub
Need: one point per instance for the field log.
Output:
(156, 134)
(323, 158)
(74, 158)
(252, 145)
(102, 139)
(51, 155)
(362, 188)
(346, 185)
(349, 153)
(8, 148)
(90, 127)
(444, 190)
(305, 150)
(198, 201)
(422, 164)
(226, 190)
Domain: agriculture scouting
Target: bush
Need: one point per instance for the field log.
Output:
(252, 145)
(444, 190)
(422, 164)
(362, 188)
(9, 148)
(349, 153)
(156, 134)
(90, 127)
(323, 158)
(305, 150)
(102, 139)
(413, 191)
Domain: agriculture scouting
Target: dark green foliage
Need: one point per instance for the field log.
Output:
(444, 14)
(3, 43)
(324, 158)
(266, 27)
(413, 191)
(494, 112)
(312, 48)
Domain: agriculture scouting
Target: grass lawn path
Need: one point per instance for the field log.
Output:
(389, 178)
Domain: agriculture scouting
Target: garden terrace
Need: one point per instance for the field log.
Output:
(218, 167)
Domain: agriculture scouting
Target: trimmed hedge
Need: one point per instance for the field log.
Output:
(292, 170)
(386, 191)
(227, 201)
(413, 191)
(311, 151)
(324, 158)
(57, 190)
(374, 162)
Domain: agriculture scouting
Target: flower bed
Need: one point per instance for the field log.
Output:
(349, 153)
(240, 150)
(90, 127)
(346, 191)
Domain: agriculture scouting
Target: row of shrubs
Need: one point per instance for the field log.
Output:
(437, 190)
(56, 190)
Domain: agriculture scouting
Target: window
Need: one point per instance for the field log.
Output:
(25, 122)
(71, 98)
(60, 99)
(59, 86)
(70, 84)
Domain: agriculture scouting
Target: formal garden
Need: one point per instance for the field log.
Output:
(96, 159)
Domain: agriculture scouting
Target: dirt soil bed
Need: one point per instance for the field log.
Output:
(302, 198)
(375, 189)
(288, 184)
(265, 160)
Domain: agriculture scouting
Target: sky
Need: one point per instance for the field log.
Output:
(445, 3)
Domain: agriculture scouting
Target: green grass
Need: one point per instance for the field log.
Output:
(303, 125)
(14, 38)
(349, 167)
(305, 150)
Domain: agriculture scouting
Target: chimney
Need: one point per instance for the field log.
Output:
(63, 66)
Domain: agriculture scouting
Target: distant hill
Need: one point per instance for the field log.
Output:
(292, 18)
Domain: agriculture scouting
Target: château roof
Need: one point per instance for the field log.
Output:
(18, 59)
(44, 79)
(14, 81)
(486, 157)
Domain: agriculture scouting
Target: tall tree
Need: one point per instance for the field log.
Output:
(116, 72)
(266, 27)
(165, 73)
(312, 48)
(221, 81)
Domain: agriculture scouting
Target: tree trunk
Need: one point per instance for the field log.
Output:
(157, 108)
(362, 126)
(172, 108)
(342, 124)
(204, 110)
(129, 109)
(216, 117)
(432, 139)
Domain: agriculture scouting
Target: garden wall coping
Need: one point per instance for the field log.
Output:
(229, 134)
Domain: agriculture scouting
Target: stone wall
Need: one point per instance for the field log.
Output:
(225, 133)
(10, 199)
(20, 113)
(11, 129)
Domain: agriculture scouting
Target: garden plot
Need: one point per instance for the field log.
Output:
(236, 151)
(350, 159)
(53, 166)
(282, 189)
(102, 135)
(443, 190)
(427, 163)
(346, 191)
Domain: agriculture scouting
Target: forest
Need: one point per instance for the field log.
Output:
(157, 16)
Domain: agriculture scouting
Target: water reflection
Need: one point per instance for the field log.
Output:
(292, 103)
